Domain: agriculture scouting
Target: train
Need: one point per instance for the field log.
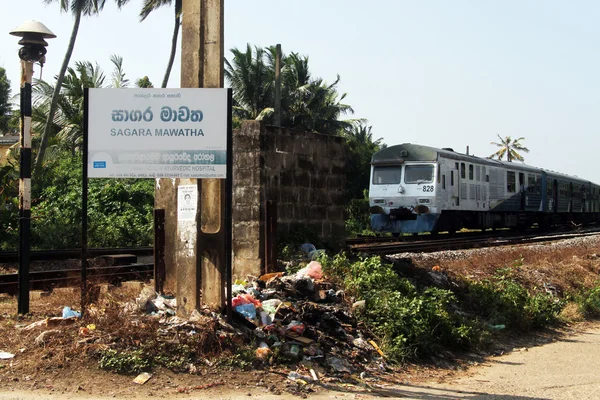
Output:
(416, 189)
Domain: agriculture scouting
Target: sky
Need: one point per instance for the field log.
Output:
(438, 73)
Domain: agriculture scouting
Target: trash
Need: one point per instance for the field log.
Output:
(267, 277)
(294, 376)
(6, 356)
(313, 270)
(296, 327)
(339, 365)
(497, 327)
(244, 299)
(91, 327)
(142, 378)
(314, 375)
(294, 350)
(143, 302)
(265, 318)
(68, 313)
(359, 304)
(84, 331)
(377, 348)
(263, 352)
(308, 248)
(247, 310)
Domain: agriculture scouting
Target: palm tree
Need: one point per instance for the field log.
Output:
(147, 8)
(252, 80)
(306, 103)
(79, 8)
(361, 148)
(509, 147)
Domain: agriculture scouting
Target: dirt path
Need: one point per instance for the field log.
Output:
(568, 368)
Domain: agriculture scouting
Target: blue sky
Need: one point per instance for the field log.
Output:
(439, 73)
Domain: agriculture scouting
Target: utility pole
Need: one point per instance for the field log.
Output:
(278, 86)
(195, 250)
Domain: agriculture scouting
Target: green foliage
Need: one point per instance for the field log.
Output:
(5, 106)
(358, 218)
(589, 302)
(411, 321)
(361, 148)
(124, 362)
(119, 210)
(503, 301)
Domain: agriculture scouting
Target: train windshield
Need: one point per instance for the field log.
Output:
(386, 175)
(418, 174)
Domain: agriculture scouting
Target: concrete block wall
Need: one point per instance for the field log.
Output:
(302, 171)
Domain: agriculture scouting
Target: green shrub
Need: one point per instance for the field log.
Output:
(124, 362)
(412, 322)
(589, 302)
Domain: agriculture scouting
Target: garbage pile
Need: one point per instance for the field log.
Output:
(303, 317)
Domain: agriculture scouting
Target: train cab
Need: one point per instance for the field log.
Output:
(402, 194)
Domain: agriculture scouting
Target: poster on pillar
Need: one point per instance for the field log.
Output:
(157, 133)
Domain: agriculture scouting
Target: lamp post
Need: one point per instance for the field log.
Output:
(33, 34)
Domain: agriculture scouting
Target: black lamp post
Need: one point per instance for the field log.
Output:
(33, 34)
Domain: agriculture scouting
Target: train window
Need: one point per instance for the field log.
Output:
(443, 181)
(418, 174)
(451, 178)
(386, 175)
(470, 172)
(511, 186)
(478, 173)
(456, 166)
(531, 183)
(463, 171)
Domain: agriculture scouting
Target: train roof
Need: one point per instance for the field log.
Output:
(414, 152)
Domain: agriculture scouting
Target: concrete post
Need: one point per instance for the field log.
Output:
(195, 250)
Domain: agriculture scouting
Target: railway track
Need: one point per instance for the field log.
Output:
(46, 280)
(48, 255)
(444, 242)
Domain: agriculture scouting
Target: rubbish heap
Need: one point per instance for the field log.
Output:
(304, 318)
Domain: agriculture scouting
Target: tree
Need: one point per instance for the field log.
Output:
(306, 103)
(5, 106)
(147, 8)
(144, 83)
(510, 148)
(361, 147)
(79, 8)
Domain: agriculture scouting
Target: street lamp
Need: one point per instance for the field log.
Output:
(33, 34)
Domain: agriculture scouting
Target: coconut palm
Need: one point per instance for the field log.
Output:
(306, 103)
(252, 79)
(510, 148)
(79, 8)
(147, 8)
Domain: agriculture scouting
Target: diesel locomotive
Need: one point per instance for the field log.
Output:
(415, 189)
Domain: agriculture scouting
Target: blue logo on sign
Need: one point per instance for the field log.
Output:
(99, 164)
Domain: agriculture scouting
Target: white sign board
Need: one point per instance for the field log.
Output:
(187, 202)
(157, 133)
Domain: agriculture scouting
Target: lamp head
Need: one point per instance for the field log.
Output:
(33, 34)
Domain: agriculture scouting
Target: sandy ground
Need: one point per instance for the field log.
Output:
(567, 368)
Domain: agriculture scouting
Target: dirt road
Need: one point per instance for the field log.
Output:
(567, 368)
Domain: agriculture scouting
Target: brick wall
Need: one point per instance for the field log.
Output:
(302, 171)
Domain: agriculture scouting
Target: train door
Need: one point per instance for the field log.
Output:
(454, 185)
(555, 196)
(522, 192)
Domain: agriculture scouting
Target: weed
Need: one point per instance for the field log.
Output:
(124, 362)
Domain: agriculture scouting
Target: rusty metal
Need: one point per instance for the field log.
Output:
(159, 250)
(270, 264)
(46, 280)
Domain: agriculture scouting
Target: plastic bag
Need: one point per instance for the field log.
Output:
(68, 313)
(244, 298)
(296, 326)
(313, 270)
(247, 310)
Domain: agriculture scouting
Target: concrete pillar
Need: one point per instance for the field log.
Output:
(194, 253)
